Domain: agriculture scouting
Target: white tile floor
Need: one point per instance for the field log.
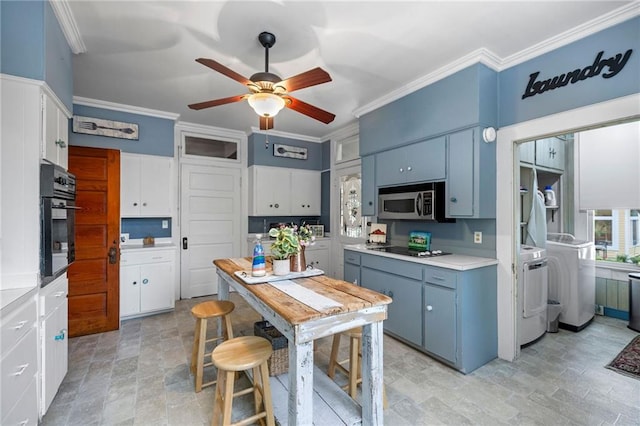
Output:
(140, 375)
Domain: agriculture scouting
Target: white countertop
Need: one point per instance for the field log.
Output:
(140, 246)
(458, 262)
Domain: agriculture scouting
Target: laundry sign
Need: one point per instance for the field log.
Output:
(606, 67)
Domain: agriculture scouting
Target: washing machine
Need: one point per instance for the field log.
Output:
(572, 279)
(532, 293)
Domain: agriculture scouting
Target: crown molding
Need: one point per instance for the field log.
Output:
(68, 25)
(95, 103)
(497, 63)
(287, 135)
(344, 132)
(482, 55)
(600, 23)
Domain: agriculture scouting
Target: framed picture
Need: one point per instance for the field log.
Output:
(297, 152)
(108, 128)
(317, 230)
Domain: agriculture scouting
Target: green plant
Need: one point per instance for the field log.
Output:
(305, 236)
(621, 258)
(635, 259)
(286, 242)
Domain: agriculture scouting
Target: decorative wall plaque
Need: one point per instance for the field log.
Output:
(109, 128)
(289, 151)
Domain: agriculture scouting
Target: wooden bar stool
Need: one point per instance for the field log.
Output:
(203, 312)
(354, 370)
(240, 354)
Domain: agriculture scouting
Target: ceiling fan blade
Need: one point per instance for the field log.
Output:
(266, 123)
(217, 66)
(216, 102)
(306, 79)
(309, 110)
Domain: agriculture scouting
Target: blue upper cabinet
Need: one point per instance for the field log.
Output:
(464, 99)
(419, 162)
(471, 181)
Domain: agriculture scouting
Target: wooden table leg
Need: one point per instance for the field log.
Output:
(372, 385)
(300, 384)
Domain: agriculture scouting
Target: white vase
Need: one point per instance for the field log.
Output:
(281, 267)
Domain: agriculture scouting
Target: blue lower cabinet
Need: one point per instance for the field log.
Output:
(404, 314)
(449, 314)
(440, 325)
(352, 273)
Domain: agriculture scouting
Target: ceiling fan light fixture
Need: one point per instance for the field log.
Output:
(266, 104)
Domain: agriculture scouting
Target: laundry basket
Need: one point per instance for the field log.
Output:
(279, 361)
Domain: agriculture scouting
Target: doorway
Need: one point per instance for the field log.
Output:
(94, 288)
(507, 227)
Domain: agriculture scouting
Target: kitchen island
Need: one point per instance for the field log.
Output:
(330, 306)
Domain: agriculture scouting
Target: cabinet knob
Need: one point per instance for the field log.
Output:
(61, 143)
(21, 369)
(454, 200)
(429, 308)
(145, 281)
(135, 282)
(401, 170)
(409, 168)
(370, 203)
(135, 204)
(19, 325)
(144, 204)
(276, 205)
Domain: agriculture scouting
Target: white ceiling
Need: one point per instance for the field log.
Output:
(142, 53)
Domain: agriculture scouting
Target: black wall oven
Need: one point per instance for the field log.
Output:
(57, 218)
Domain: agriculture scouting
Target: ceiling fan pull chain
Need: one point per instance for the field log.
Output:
(266, 139)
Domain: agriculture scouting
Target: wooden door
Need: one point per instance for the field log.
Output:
(93, 278)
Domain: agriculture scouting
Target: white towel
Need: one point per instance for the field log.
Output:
(537, 225)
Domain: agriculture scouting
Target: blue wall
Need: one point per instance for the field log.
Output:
(33, 46)
(258, 155)
(145, 227)
(155, 134)
(577, 55)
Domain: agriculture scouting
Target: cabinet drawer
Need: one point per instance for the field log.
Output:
(351, 257)
(18, 324)
(319, 245)
(393, 266)
(153, 256)
(53, 295)
(25, 412)
(18, 368)
(441, 277)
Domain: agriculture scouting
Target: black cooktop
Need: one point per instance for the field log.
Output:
(406, 252)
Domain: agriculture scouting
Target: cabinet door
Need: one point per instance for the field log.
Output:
(550, 153)
(54, 353)
(460, 196)
(50, 130)
(440, 321)
(130, 174)
(63, 137)
(305, 193)
(156, 287)
(318, 259)
(129, 290)
(155, 186)
(369, 196)
(404, 315)
(351, 273)
(527, 152)
(391, 167)
(270, 191)
(426, 161)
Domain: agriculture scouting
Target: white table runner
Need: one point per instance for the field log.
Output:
(306, 296)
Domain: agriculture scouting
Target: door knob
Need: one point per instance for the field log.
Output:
(113, 255)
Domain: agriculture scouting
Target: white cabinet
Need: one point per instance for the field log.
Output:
(145, 186)
(317, 256)
(147, 278)
(55, 132)
(54, 339)
(276, 191)
(19, 365)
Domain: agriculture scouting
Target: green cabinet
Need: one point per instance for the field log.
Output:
(471, 179)
(419, 162)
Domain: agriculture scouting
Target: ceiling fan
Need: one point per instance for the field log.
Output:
(269, 93)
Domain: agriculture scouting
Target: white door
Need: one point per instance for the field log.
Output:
(210, 225)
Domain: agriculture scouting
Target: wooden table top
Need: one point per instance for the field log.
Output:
(351, 297)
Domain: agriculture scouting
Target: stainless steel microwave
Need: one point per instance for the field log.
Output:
(413, 202)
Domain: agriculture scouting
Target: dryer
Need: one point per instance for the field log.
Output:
(532, 293)
(572, 279)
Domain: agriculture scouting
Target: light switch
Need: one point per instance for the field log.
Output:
(165, 224)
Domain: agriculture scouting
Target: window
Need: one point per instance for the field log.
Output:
(634, 227)
(617, 235)
(351, 221)
(605, 229)
(209, 147)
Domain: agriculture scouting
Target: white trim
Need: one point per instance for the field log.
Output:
(96, 103)
(184, 126)
(22, 80)
(497, 63)
(45, 88)
(596, 115)
(68, 25)
(344, 132)
(287, 135)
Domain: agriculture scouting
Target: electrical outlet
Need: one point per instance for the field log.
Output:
(165, 224)
(124, 238)
(477, 237)
(599, 310)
